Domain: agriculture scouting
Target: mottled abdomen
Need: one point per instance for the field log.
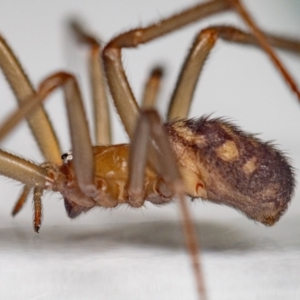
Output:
(221, 163)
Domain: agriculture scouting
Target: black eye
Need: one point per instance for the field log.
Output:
(64, 156)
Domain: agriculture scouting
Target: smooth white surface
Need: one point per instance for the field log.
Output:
(140, 254)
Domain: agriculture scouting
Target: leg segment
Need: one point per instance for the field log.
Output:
(102, 123)
(32, 176)
(149, 128)
(22, 88)
(236, 4)
(152, 88)
(83, 158)
(233, 34)
(122, 95)
(81, 143)
(204, 42)
(143, 150)
(22, 170)
(37, 204)
(186, 84)
(21, 201)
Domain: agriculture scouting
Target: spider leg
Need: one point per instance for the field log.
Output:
(237, 5)
(37, 203)
(123, 97)
(150, 129)
(102, 123)
(80, 138)
(152, 88)
(38, 122)
(22, 170)
(236, 35)
(21, 201)
(185, 87)
(32, 175)
(22, 88)
(143, 151)
(83, 158)
(204, 42)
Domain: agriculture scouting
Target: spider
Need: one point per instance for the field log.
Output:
(232, 151)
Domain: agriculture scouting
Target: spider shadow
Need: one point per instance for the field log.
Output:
(166, 235)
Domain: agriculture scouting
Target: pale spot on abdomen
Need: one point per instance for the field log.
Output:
(228, 151)
(250, 166)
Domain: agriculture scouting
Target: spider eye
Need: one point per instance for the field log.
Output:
(64, 156)
(67, 157)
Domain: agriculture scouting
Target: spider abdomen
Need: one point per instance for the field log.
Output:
(233, 167)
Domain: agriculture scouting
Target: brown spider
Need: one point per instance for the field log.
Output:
(215, 159)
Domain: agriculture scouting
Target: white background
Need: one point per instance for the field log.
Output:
(140, 254)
